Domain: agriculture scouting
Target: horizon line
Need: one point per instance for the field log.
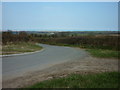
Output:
(57, 30)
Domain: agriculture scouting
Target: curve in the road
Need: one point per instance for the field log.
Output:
(18, 65)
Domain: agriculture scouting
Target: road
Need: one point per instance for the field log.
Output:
(16, 66)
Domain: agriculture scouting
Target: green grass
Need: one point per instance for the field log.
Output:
(101, 80)
(101, 53)
(20, 47)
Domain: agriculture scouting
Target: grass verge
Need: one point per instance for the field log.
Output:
(101, 80)
(21, 47)
(101, 53)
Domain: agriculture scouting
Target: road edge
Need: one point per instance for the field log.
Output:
(21, 53)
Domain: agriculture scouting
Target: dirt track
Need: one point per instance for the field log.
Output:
(83, 66)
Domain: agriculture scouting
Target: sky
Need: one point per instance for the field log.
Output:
(61, 16)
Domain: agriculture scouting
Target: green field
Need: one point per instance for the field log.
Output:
(101, 80)
(21, 47)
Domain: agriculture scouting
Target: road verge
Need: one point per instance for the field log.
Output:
(21, 48)
(22, 53)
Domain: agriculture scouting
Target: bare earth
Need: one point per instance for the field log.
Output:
(84, 66)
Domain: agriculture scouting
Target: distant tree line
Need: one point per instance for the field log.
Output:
(10, 37)
(102, 42)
